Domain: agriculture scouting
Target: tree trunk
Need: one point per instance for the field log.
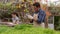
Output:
(46, 22)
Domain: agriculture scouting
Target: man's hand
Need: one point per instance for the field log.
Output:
(30, 17)
(35, 17)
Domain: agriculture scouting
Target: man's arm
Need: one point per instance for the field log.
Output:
(41, 16)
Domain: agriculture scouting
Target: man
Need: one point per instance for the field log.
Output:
(39, 15)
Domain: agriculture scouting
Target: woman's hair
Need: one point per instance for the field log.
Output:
(14, 13)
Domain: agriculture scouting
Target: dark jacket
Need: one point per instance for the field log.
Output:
(41, 16)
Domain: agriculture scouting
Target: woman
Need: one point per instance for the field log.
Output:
(15, 18)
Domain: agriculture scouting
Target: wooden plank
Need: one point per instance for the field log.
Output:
(7, 23)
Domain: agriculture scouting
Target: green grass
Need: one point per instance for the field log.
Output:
(26, 29)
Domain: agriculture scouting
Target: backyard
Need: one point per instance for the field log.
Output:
(24, 8)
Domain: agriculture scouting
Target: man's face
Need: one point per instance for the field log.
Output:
(35, 8)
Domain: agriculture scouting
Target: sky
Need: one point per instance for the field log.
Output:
(51, 1)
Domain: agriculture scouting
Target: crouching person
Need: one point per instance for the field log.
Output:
(15, 18)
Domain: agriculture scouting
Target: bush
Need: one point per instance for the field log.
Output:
(57, 22)
(26, 29)
(6, 10)
(22, 26)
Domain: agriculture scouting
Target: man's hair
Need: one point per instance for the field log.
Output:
(37, 4)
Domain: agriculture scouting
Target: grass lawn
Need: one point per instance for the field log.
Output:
(26, 29)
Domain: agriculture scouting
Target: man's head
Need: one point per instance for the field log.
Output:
(36, 6)
(14, 14)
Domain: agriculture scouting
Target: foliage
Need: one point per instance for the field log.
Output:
(6, 10)
(26, 29)
(20, 8)
(57, 22)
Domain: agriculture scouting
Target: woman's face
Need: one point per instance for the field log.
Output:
(13, 15)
